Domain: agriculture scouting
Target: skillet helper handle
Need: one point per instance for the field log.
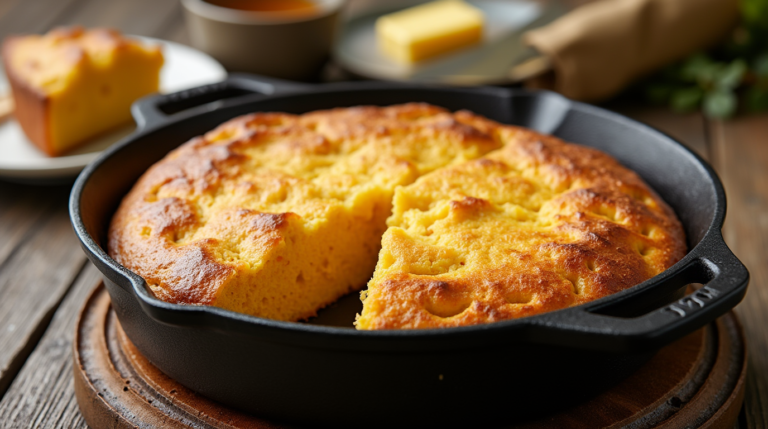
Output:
(160, 108)
(725, 281)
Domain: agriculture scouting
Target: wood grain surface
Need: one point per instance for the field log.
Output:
(740, 156)
(33, 279)
(42, 394)
(40, 258)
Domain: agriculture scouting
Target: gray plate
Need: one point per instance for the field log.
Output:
(490, 62)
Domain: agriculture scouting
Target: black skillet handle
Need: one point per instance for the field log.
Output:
(725, 281)
(157, 109)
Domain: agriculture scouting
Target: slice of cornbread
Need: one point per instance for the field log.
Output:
(277, 215)
(537, 226)
(71, 84)
(429, 30)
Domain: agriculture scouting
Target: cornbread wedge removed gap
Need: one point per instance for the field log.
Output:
(465, 220)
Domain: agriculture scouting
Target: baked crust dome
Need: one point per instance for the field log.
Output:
(278, 215)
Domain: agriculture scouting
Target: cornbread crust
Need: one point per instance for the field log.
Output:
(278, 215)
(537, 226)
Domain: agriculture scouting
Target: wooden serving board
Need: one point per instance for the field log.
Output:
(697, 382)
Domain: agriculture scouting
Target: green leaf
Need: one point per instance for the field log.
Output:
(750, 9)
(686, 99)
(720, 104)
(730, 76)
(710, 79)
(755, 11)
(671, 73)
(697, 68)
(761, 65)
(658, 93)
(757, 99)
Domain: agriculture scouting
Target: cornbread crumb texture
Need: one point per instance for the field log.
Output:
(536, 226)
(72, 84)
(277, 215)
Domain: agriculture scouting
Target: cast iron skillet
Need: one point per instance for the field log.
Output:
(478, 375)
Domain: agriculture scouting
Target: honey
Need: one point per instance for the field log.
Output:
(283, 7)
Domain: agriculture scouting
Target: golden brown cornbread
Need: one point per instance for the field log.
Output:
(72, 84)
(537, 226)
(277, 215)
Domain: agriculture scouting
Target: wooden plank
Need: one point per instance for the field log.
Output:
(142, 17)
(740, 155)
(175, 29)
(42, 395)
(21, 208)
(6, 6)
(36, 16)
(40, 265)
(32, 283)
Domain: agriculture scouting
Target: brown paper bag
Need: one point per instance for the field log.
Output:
(601, 47)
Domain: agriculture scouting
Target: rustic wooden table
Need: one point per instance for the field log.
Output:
(44, 277)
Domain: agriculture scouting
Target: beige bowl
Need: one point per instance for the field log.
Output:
(264, 42)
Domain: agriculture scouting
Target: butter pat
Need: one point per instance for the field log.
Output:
(429, 30)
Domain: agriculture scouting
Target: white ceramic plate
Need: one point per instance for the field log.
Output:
(20, 160)
(486, 63)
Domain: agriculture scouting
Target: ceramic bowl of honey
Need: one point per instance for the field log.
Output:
(289, 39)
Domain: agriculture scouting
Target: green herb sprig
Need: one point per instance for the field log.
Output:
(719, 81)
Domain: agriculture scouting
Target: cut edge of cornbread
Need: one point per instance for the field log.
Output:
(461, 220)
(536, 226)
(278, 215)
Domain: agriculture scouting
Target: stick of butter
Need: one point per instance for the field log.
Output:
(429, 30)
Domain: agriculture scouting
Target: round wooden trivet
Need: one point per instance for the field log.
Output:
(697, 382)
